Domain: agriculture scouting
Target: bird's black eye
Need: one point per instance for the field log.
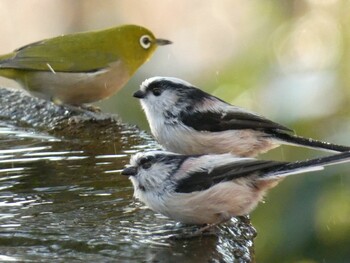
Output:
(156, 91)
(146, 162)
(146, 165)
(145, 41)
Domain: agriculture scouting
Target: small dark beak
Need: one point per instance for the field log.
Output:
(139, 94)
(129, 171)
(163, 42)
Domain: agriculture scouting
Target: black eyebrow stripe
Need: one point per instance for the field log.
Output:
(146, 159)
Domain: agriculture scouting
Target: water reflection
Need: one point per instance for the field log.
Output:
(61, 198)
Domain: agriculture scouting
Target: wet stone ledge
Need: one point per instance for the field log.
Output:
(20, 108)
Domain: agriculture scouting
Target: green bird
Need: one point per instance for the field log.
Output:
(83, 67)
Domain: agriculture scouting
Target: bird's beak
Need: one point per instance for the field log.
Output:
(129, 171)
(139, 94)
(163, 42)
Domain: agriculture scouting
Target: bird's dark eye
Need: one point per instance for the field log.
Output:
(146, 162)
(145, 41)
(146, 165)
(156, 91)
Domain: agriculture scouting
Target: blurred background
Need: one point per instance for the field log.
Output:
(287, 60)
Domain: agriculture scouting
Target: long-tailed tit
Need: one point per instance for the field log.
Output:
(210, 189)
(187, 120)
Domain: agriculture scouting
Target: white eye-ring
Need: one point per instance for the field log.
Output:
(145, 41)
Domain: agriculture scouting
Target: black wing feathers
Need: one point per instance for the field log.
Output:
(202, 180)
(233, 120)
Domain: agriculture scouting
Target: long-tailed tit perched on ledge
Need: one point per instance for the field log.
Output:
(187, 120)
(210, 189)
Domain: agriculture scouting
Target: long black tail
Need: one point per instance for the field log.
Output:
(284, 169)
(311, 143)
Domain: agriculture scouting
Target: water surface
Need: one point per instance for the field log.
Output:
(63, 199)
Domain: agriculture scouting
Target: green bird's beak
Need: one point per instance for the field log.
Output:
(163, 42)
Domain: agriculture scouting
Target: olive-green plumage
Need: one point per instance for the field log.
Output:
(83, 67)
